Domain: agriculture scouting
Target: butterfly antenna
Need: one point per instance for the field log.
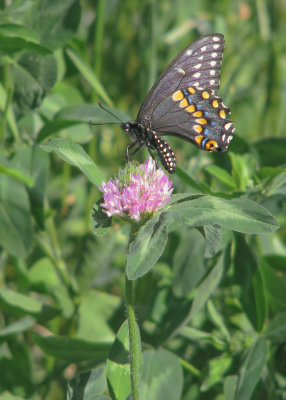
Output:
(108, 111)
(106, 123)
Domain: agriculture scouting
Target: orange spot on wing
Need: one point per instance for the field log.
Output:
(198, 128)
(184, 103)
(178, 95)
(199, 139)
(191, 108)
(205, 95)
(198, 114)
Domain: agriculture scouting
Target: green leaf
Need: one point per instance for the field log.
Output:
(10, 396)
(274, 286)
(35, 162)
(188, 180)
(271, 151)
(16, 231)
(276, 330)
(15, 30)
(72, 349)
(147, 246)
(91, 113)
(100, 222)
(8, 115)
(210, 283)
(251, 370)
(229, 387)
(217, 369)
(89, 75)
(75, 155)
(16, 327)
(213, 240)
(54, 126)
(195, 335)
(118, 367)
(243, 166)
(44, 278)
(88, 385)
(17, 174)
(20, 304)
(33, 76)
(55, 22)
(242, 215)
(77, 114)
(162, 377)
(278, 185)
(95, 310)
(250, 279)
(222, 175)
(217, 319)
(10, 44)
(189, 265)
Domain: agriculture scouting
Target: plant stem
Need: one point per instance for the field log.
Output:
(134, 341)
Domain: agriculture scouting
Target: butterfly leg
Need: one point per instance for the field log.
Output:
(129, 154)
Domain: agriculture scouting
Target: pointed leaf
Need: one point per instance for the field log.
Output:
(74, 154)
(147, 246)
(118, 365)
(251, 370)
(242, 215)
(72, 349)
(88, 385)
(162, 377)
(16, 230)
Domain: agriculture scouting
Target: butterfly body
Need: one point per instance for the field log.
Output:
(184, 103)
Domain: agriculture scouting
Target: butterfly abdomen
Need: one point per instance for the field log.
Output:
(164, 151)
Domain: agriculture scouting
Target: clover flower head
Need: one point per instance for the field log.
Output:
(137, 194)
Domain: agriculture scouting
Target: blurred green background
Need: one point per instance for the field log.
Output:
(61, 288)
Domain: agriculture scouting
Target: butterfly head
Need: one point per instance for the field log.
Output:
(126, 126)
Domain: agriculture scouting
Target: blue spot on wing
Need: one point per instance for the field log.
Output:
(185, 92)
(204, 141)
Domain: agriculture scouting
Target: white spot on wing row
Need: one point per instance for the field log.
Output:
(203, 48)
(181, 71)
(226, 127)
(216, 46)
(216, 38)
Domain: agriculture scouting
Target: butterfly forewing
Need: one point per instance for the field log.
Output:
(197, 65)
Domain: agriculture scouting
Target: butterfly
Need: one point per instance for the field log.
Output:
(184, 103)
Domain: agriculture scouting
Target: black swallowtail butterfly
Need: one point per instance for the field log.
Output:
(184, 103)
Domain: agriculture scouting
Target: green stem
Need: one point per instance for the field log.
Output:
(98, 36)
(134, 341)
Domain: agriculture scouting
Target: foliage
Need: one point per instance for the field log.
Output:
(209, 295)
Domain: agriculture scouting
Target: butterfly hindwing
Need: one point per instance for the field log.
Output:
(196, 115)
